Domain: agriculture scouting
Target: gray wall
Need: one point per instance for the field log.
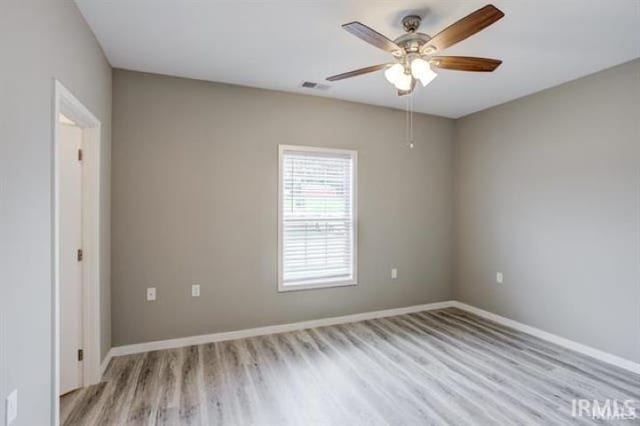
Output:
(548, 192)
(195, 201)
(40, 40)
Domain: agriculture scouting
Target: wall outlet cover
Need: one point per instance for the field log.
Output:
(394, 273)
(11, 408)
(499, 278)
(151, 294)
(195, 290)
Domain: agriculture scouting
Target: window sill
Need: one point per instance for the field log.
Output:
(315, 285)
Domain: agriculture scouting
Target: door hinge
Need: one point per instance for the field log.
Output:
(79, 155)
(79, 255)
(80, 354)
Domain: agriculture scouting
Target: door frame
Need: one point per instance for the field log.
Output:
(66, 103)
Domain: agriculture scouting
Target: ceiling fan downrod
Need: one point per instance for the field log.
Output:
(411, 23)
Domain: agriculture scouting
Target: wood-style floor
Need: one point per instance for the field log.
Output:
(438, 367)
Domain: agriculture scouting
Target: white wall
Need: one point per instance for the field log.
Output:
(195, 202)
(548, 192)
(40, 40)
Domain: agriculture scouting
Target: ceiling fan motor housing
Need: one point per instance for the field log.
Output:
(412, 42)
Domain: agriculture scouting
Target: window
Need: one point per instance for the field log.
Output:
(317, 223)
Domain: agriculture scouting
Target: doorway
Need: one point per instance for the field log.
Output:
(76, 283)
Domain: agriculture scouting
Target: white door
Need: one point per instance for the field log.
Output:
(70, 205)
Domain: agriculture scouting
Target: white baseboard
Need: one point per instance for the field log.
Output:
(272, 329)
(553, 338)
(282, 328)
(105, 362)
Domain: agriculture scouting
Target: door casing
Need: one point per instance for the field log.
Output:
(64, 102)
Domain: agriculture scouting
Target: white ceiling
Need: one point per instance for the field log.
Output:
(278, 44)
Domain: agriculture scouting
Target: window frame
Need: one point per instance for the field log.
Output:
(320, 283)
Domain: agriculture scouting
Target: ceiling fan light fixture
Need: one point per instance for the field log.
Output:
(413, 51)
(394, 73)
(422, 71)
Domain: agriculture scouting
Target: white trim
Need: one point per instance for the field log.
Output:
(65, 102)
(328, 283)
(553, 338)
(105, 363)
(272, 329)
(354, 208)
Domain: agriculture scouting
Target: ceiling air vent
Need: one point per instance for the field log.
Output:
(314, 86)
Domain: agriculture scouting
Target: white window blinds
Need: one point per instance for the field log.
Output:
(317, 244)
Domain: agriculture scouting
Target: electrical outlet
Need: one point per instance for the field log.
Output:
(151, 294)
(499, 278)
(11, 407)
(195, 290)
(394, 273)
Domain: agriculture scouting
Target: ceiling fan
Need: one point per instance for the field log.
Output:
(413, 52)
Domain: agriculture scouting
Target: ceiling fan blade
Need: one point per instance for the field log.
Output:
(373, 37)
(465, 27)
(406, 92)
(465, 63)
(357, 72)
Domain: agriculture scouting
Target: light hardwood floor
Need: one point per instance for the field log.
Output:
(438, 367)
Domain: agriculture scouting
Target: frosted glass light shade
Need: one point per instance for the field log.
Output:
(404, 82)
(393, 73)
(422, 71)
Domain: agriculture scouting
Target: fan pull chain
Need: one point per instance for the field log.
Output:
(406, 120)
(409, 121)
(411, 145)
